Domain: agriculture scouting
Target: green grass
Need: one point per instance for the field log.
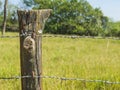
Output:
(78, 58)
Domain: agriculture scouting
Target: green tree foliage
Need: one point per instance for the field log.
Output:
(28, 2)
(1, 11)
(73, 17)
(113, 29)
(11, 15)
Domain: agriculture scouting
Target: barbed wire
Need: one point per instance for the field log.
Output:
(61, 78)
(75, 36)
(9, 36)
(65, 36)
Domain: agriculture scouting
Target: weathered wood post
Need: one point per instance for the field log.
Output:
(31, 25)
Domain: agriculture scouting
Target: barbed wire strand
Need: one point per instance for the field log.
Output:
(9, 36)
(65, 36)
(60, 78)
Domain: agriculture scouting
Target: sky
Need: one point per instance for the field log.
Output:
(110, 8)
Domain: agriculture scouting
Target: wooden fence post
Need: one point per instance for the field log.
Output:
(31, 24)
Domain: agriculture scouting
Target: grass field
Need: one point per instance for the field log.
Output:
(64, 57)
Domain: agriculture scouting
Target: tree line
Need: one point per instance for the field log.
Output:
(75, 17)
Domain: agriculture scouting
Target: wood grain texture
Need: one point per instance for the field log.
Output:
(31, 24)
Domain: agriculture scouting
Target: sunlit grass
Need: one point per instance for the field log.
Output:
(82, 58)
(9, 62)
(64, 57)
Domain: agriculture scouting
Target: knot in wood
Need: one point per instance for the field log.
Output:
(29, 45)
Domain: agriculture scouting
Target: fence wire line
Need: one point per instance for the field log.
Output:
(60, 78)
(64, 36)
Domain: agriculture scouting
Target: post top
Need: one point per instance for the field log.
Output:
(33, 20)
